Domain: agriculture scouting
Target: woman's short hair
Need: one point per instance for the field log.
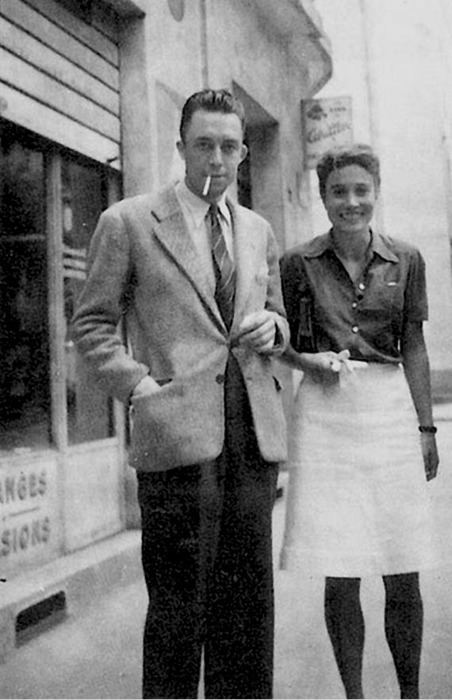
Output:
(337, 158)
(210, 101)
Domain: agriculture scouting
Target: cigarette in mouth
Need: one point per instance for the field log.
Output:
(206, 186)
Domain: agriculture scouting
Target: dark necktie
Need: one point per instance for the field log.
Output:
(224, 268)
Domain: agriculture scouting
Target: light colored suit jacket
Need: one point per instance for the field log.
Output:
(143, 267)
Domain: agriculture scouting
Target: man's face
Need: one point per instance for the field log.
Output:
(213, 146)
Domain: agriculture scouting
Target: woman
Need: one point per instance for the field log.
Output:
(357, 500)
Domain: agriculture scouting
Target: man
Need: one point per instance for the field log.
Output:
(199, 286)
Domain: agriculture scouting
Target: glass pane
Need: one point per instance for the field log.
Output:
(24, 346)
(89, 411)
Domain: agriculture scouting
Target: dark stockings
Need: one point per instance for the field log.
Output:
(403, 627)
(345, 625)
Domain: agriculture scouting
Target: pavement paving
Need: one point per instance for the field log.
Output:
(97, 654)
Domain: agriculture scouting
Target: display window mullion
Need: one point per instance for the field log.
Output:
(56, 300)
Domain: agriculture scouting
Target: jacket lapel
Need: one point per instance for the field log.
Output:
(171, 231)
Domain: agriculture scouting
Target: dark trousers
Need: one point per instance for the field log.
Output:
(207, 560)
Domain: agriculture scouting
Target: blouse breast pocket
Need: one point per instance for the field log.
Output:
(385, 299)
(394, 294)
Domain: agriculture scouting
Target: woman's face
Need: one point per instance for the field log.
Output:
(350, 197)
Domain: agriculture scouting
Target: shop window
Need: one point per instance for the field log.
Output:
(83, 198)
(24, 339)
(38, 290)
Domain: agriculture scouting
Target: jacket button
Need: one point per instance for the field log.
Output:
(219, 378)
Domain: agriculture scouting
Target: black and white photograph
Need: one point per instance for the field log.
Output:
(225, 349)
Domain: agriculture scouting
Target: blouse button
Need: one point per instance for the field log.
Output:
(354, 305)
(355, 329)
(361, 286)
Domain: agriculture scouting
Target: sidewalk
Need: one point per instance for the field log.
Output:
(97, 654)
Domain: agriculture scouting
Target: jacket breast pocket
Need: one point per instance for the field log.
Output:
(261, 276)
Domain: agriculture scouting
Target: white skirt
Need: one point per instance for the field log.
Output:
(357, 500)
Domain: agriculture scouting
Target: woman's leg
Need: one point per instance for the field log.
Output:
(403, 626)
(345, 625)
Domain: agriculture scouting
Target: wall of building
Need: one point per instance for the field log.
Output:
(59, 75)
(211, 46)
(350, 78)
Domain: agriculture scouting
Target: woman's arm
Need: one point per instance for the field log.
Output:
(417, 372)
(322, 366)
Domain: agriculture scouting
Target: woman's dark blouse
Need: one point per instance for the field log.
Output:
(326, 310)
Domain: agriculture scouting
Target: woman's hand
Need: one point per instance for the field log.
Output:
(324, 367)
(430, 455)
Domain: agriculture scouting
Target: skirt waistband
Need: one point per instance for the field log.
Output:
(362, 364)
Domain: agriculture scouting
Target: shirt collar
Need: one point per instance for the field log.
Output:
(380, 248)
(198, 207)
(321, 244)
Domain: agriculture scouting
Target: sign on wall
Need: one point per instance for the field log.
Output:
(29, 529)
(326, 123)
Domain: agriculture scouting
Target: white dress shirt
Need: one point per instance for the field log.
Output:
(194, 210)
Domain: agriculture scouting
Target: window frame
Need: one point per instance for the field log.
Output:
(53, 156)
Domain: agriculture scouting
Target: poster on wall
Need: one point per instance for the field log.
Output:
(327, 123)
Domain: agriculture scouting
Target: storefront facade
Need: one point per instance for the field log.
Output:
(90, 96)
(61, 440)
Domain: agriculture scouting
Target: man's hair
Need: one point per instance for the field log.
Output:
(210, 101)
(337, 158)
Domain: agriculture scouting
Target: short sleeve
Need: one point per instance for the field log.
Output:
(416, 304)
